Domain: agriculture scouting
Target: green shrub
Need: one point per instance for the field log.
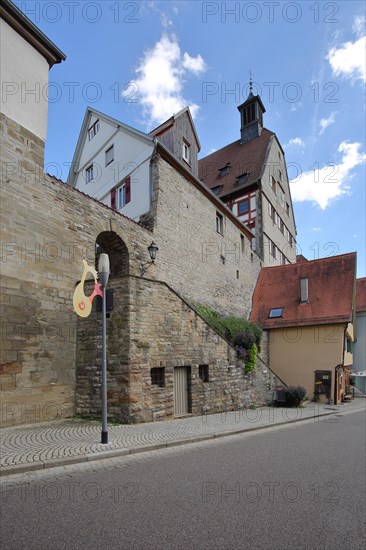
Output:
(244, 340)
(295, 395)
(251, 362)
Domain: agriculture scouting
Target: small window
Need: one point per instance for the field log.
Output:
(275, 312)
(273, 185)
(243, 207)
(203, 373)
(287, 208)
(282, 227)
(272, 249)
(281, 195)
(124, 193)
(242, 242)
(280, 174)
(243, 178)
(94, 129)
(109, 155)
(224, 170)
(217, 190)
(186, 152)
(219, 223)
(158, 376)
(89, 173)
(222, 260)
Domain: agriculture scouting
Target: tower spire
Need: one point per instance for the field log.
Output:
(250, 84)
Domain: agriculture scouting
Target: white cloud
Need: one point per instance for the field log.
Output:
(349, 59)
(316, 229)
(325, 122)
(295, 142)
(160, 79)
(359, 25)
(329, 182)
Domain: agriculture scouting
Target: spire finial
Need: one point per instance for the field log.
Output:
(250, 81)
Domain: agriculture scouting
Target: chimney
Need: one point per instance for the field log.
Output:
(304, 290)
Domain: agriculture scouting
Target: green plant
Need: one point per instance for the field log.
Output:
(295, 395)
(251, 362)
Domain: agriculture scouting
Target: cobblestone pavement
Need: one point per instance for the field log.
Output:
(57, 443)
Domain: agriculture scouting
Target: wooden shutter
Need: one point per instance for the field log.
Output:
(128, 189)
(113, 199)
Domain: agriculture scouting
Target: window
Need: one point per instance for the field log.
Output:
(243, 207)
(217, 190)
(158, 376)
(243, 178)
(282, 227)
(275, 312)
(280, 174)
(219, 223)
(124, 193)
(222, 260)
(203, 373)
(89, 173)
(287, 208)
(94, 129)
(109, 155)
(273, 185)
(225, 170)
(242, 242)
(281, 195)
(349, 348)
(186, 152)
(272, 249)
(249, 114)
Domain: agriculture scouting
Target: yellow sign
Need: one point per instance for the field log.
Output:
(82, 303)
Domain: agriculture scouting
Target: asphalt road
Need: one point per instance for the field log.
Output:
(295, 487)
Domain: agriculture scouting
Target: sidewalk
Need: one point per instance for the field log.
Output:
(57, 443)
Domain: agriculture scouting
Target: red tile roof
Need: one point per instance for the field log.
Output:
(246, 158)
(331, 291)
(361, 294)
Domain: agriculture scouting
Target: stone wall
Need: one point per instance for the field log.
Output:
(47, 229)
(201, 264)
(155, 328)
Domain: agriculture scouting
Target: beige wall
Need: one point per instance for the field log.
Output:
(295, 353)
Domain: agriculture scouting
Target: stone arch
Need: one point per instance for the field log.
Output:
(110, 243)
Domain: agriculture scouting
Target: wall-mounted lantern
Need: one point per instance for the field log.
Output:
(153, 249)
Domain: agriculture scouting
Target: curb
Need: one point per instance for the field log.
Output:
(114, 453)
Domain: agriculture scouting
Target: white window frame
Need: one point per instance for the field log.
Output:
(109, 151)
(89, 173)
(93, 130)
(219, 223)
(186, 152)
(121, 196)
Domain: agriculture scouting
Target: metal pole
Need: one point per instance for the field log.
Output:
(104, 368)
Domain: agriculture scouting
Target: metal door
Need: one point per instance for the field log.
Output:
(181, 397)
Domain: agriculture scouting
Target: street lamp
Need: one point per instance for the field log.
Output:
(103, 270)
(153, 249)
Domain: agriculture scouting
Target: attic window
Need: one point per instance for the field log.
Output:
(275, 312)
(217, 190)
(224, 170)
(94, 129)
(243, 178)
(186, 151)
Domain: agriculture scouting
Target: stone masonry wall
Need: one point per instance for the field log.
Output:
(47, 229)
(164, 332)
(202, 265)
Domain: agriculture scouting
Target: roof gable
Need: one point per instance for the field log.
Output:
(89, 114)
(246, 158)
(168, 123)
(331, 292)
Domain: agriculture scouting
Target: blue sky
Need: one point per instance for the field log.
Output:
(142, 61)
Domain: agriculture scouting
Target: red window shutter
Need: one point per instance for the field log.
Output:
(128, 189)
(113, 199)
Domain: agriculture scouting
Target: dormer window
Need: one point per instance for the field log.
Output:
(217, 190)
(186, 152)
(243, 178)
(94, 129)
(275, 312)
(224, 170)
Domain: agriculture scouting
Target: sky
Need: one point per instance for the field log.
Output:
(140, 62)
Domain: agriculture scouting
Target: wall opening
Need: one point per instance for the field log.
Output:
(110, 243)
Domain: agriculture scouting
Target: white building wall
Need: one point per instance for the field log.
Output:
(131, 158)
(24, 80)
(275, 164)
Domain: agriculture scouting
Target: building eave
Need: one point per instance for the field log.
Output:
(12, 15)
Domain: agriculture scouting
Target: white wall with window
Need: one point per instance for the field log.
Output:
(110, 158)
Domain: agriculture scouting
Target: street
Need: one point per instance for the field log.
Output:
(294, 487)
